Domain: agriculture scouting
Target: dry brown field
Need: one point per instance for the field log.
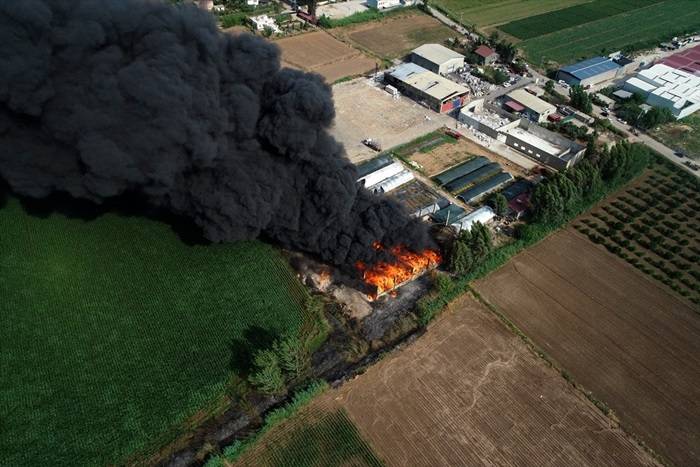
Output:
(468, 392)
(365, 111)
(321, 53)
(396, 36)
(448, 155)
(621, 335)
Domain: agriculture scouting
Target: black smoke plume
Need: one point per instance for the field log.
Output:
(102, 98)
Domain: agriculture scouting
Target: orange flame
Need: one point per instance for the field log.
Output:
(385, 277)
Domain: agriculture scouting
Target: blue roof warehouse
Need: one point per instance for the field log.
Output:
(590, 72)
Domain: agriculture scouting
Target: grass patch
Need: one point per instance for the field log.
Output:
(683, 134)
(484, 13)
(371, 14)
(116, 333)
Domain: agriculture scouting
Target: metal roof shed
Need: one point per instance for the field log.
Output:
(462, 169)
(372, 165)
(486, 187)
(483, 215)
(465, 181)
(591, 67)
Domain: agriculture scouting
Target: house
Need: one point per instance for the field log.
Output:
(534, 108)
(437, 58)
(486, 55)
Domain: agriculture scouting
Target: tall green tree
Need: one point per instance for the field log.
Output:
(267, 376)
(499, 203)
(580, 99)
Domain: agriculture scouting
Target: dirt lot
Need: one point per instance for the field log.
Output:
(364, 111)
(618, 333)
(323, 54)
(447, 155)
(470, 393)
(397, 35)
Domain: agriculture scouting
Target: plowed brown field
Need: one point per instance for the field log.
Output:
(469, 392)
(618, 333)
(396, 36)
(323, 54)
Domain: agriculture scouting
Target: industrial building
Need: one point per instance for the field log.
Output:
(437, 58)
(532, 107)
(486, 55)
(589, 72)
(688, 60)
(435, 92)
(473, 178)
(670, 88)
(544, 146)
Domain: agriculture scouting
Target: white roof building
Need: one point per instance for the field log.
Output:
(378, 176)
(539, 109)
(667, 87)
(394, 181)
(483, 215)
(263, 21)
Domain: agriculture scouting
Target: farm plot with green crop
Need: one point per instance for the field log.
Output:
(553, 21)
(484, 13)
(654, 226)
(317, 436)
(631, 30)
(115, 334)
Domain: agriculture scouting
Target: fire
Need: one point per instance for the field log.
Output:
(385, 277)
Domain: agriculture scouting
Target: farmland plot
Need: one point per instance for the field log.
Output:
(396, 35)
(654, 226)
(469, 392)
(319, 435)
(115, 332)
(484, 13)
(321, 53)
(625, 338)
(539, 25)
(651, 24)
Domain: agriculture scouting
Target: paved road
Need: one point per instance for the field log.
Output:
(643, 138)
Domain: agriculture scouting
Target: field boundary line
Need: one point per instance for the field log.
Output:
(552, 363)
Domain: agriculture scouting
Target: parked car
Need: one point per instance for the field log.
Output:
(692, 165)
(604, 113)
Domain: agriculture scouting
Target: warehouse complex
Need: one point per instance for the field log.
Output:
(530, 106)
(544, 146)
(473, 179)
(434, 91)
(437, 58)
(590, 72)
(663, 86)
(686, 60)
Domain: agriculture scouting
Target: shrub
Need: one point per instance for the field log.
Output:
(268, 376)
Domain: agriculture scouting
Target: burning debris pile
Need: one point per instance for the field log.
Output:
(386, 276)
(101, 99)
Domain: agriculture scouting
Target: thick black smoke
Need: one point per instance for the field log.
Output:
(101, 98)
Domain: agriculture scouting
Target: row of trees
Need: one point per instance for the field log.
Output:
(567, 192)
(580, 99)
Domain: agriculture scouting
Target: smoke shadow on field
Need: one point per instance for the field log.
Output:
(243, 349)
(4, 193)
(123, 206)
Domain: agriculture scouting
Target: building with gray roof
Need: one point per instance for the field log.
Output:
(435, 92)
(437, 58)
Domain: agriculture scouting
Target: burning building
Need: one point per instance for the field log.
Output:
(100, 99)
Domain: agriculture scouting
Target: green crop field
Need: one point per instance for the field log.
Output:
(316, 437)
(113, 332)
(640, 28)
(553, 21)
(485, 13)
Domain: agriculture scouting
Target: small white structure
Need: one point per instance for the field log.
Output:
(669, 88)
(263, 21)
(206, 4)
(393, 182)
(391, 90)
(378, 176)
(483, 215)
(383, 4)
(252, 2)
